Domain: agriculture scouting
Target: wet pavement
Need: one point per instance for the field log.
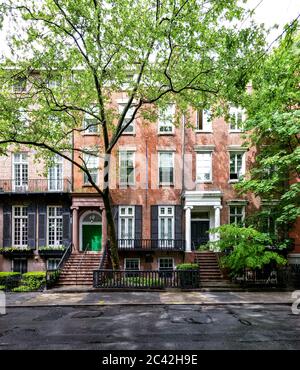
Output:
(163, 326)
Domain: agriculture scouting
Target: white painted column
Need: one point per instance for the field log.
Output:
(75, 230)
(217, 220)
(188, 246)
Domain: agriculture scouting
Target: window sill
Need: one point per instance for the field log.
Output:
(90, 134)
(166, 133)
(166, 184)
(128, 133)
(235, 131)
(88, 185)
(204, 131)
(233, 181)
(126, 186)
(204, 182)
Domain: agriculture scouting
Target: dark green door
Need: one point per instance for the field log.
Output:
(92, 236)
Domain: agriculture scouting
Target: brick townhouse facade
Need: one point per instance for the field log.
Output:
(170, 183)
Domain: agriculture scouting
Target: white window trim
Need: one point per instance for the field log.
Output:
(237, 205)
(133, 160)
(122, 103)
(22, 162)
(173, 166)
(51, 259)
(132, 258)
(243, 164)
(160, 124)
(48, 217)
(204, 130)
(89, 168)
(210, 181)
(126, 215)
(13, 227)
(166, 216)
(162, 258)
(57, 162)
(235, 110)
(86, 132)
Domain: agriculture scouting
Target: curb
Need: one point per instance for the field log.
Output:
(153, 304)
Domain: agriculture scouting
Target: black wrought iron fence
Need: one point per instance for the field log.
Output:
(146, 279)
(287, 276)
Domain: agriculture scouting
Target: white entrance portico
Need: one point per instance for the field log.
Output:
(202, 212)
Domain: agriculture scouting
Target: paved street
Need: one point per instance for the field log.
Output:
(163, 326)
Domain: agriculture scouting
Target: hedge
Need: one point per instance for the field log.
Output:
(187, 266)
(30, 281)
(9, 280)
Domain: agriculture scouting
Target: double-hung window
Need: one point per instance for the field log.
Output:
(204, 121)
(165, 266)
(130, 129)
(127, 164)
(20, 226)
(19, 265)
(237, 118)
(55, 175)
(20, 171)
(126, 227)
(166, 226)
(237, 165)
(52, 263)
(131, 264)
(90, 122)
(236, 214)
(91, 161)
(166, 168)
(204, 166)
(166, 119)
(55, 226)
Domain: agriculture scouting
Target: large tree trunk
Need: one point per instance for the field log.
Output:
(111, 231)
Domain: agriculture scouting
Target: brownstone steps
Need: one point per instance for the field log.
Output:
(78, 270)
(208, 266)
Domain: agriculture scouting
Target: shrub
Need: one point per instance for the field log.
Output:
(187, 266)
(2, 287)
(34, 280)
(22, 288)
(245, 247)
(9, 280)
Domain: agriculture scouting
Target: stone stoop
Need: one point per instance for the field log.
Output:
(208, 267)
(78, 270)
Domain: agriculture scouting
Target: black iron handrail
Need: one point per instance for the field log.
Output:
(53, 275)
(151, 244)
(104, 256)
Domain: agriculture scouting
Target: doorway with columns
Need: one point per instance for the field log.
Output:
(88, 223)
(202, 212)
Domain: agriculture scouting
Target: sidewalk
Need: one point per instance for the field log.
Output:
(40, 299)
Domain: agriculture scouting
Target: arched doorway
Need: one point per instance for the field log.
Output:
(91, 231)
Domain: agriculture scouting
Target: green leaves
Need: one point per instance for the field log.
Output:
(274, 123)
(245, 247)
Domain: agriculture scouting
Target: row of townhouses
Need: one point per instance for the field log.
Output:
(170, 183)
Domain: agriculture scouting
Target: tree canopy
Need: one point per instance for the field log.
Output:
(75, 55)
(274, 122)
